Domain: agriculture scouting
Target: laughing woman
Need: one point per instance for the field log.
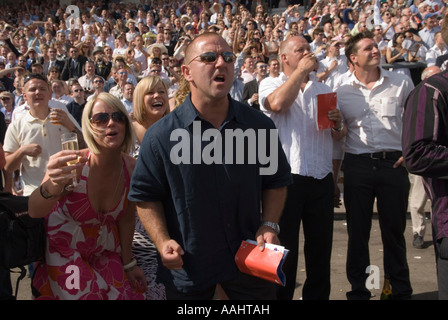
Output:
(90, 229)
(150, 104)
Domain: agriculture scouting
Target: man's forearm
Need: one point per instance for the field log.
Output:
(152, 216)
(13, 160)
(273, 201)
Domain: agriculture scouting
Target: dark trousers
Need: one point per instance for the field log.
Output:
(311, 201)
(441, 249)
(364, 180)
(5, 285)
(242, 287)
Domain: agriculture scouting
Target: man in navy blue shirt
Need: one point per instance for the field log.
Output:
(210, 174)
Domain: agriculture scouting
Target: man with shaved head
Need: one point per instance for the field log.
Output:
(290, 100)
(194, 198)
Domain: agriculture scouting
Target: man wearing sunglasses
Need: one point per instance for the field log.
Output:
(74, 65)
(31, 139)
(98, 86)
(197, 214)
(76, 106)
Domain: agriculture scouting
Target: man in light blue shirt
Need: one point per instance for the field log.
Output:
(430, 29)
(128, 91)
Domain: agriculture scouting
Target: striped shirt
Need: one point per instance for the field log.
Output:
(309, 151)
(425, 143)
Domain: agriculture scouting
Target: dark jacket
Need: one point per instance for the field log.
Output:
(249, 89)
(69, 71)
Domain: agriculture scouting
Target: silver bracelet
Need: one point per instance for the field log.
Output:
(130, 265)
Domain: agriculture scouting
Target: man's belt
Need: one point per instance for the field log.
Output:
(391, 155)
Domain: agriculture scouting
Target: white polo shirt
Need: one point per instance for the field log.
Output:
(309, 151)
(28, 130)
(373, 117)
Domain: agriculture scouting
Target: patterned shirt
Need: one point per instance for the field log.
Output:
(425, 143)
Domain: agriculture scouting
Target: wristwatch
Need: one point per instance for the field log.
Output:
(340, 128)
(274, 226)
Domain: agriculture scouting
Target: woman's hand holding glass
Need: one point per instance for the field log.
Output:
(60, 172)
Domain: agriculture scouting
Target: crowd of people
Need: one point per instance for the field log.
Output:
(117, 72)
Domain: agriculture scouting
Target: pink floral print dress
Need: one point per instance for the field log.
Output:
(82, 260)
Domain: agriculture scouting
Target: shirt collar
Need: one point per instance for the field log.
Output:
(383, 74)
(188, 113)
(29, 118)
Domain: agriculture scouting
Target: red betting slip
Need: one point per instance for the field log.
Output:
(325, 103)
(266, 264)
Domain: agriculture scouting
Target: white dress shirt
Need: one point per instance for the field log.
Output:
(247, 76)
(373, 117)
(433, 53)
(308, 150)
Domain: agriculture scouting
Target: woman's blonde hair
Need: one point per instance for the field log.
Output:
(138, 100)
(182, 91)
(90, 132)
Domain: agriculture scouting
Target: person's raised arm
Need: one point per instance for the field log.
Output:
(283, 97)
(58, 175)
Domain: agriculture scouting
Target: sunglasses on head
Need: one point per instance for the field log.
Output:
(102, 118)
(210, 57)
(35, 76)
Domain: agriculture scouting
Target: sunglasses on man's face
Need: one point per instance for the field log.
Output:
(211, 57)
(103, 118)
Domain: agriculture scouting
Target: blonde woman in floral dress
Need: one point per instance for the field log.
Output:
(90, 228)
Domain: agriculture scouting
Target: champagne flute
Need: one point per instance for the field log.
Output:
(69, 141)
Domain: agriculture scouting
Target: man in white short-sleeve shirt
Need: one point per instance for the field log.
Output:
(290, 100)
(31, 139)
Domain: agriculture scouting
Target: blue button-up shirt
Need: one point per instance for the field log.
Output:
(209, 208)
